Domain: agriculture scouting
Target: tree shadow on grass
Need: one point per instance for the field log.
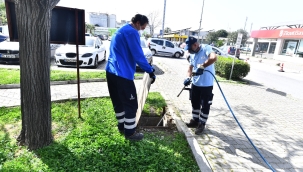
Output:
(117, 155)
(95, 144)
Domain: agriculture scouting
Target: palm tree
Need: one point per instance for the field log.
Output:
(89, 28)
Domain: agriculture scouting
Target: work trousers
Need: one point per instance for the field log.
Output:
(124, 99)
(201, 99)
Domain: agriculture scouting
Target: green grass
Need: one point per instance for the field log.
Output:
(9, 76)
(12, 76)
(222, 79)
(154, 104)
(91, 144)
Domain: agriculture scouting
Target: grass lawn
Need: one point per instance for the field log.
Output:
(12, 76)
(91, 144)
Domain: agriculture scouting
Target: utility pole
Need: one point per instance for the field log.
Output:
(245, 23)
(250, 27)
(200, 22)
(163, 19)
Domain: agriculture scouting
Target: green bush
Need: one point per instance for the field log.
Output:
(224, 65)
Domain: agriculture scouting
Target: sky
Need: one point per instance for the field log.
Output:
(230, 15)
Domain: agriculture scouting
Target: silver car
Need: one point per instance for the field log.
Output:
(147, 53)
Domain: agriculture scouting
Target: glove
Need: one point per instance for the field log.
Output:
(187, 81)
(153, 77)
(199, 71)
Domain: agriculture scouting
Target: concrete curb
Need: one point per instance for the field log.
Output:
(13, 86)
(192, 141)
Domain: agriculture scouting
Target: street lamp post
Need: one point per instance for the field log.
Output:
(163, 19)
(200, 21)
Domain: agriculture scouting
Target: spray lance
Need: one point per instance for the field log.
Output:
(187, 81)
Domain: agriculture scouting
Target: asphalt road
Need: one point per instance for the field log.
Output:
(289, 83)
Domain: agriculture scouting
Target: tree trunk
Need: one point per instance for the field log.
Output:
(33, 21)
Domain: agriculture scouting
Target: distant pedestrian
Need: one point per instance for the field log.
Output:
(203, 58)
(124, 53)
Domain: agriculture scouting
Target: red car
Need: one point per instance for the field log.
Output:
(231, 50)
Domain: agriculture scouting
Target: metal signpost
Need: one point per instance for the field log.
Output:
(238, 44)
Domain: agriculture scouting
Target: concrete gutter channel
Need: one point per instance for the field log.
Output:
(181, 126)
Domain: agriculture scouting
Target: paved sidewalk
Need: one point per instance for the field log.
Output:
(273, 122)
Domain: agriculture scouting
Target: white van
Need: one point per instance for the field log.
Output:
(164, 47)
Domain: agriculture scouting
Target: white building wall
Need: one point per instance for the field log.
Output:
(98, 19)
(112, 21)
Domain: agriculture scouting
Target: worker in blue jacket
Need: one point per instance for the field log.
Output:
(124, 53)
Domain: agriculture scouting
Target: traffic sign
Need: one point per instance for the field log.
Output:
(239, 40)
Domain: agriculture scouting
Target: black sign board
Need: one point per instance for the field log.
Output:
(64, 22)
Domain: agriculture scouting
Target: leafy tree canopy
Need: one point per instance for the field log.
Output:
(222, 33)
(232, 36)
(3, 19)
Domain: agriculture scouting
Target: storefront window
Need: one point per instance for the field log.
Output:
(289, 47)
(300, 49)
(263, 46)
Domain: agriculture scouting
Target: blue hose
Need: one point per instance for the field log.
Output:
(241, 126)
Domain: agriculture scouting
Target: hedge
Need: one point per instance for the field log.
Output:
(224, 65)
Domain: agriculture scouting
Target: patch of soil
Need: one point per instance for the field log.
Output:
(149, 123)
(153, 112)
(13, 130)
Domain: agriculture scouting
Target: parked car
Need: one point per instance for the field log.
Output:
(3, 37)
(164, 47)
(9, 52)
(231, 50)
(221, 52)
(88, 34)
(147, 53)
(103, 37)
(215, 49)
(245, 49)
(90, 54)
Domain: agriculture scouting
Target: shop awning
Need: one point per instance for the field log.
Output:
(175, 36)
(295, 33)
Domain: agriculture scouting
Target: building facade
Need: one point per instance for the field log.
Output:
(181, 35)
(112, 21)
(99, 19)
(284, 41)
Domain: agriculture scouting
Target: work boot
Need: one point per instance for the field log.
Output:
(200, 128)
(192, 124)
(135, 137)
